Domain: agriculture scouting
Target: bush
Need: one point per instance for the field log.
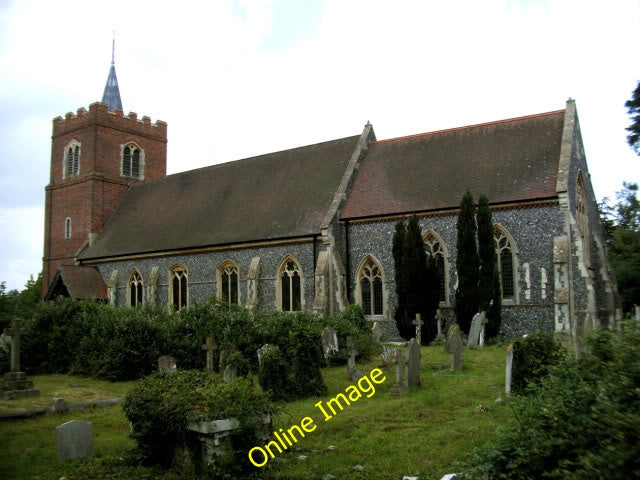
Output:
(161, 406)
(274, 376)
(582, 422)
(532, 357)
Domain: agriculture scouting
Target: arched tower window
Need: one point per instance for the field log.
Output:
(72, 159)
(582, 216)
(228, 283)
(434, 247)
(504, 254)
(179, 285)
(290, 278)
(135, 289)
(371, 291)
(132, 161)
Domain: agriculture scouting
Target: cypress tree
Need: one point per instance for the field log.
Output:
(494, 315)
(432, 293)
(486, 253)
(400, 277)
(467, 264)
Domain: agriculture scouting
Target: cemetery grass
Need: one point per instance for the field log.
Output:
(426, 433)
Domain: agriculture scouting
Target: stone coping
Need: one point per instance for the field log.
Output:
(33, 412)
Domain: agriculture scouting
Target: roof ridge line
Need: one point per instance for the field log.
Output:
(475, 125)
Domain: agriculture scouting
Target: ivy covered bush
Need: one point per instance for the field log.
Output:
(161, 406)
(532, 358)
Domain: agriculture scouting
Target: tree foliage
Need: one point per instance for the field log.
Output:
(489, 294)
(633, 107)
(467, 264)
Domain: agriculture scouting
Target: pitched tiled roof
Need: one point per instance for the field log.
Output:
(80, 282)
(279, 195)
(509, 161)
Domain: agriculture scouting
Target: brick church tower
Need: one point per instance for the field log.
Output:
(95, 156)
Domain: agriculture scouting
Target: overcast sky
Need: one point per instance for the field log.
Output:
(239, 78)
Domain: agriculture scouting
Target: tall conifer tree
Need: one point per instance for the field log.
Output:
(400, 277)
(467, 264)
(489, 295)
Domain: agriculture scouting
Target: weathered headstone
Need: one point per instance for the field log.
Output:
(418, 324)
(209, 346)
(440, 324)
(74, 439)
(167, 363)
(387, 357)
(352, 372)
(402, 385)
(509, 370)
(224, 354)
(329, 341)
(474, 331)
(454, 339)
(230, 373)
(262, 351)
(15, 384)
(484, 322)
(413, 360)
(376, 332)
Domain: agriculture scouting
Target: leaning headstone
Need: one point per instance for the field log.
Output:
(413, 360)
(209, 346)
(474, 331)
(454, 338)
(509, 371)
(230, 373)
(376, 332)
(74, 439)
(329, 341)
(15, 384)
(167, 363)
(418, 324)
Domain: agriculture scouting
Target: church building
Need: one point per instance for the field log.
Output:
(310, 228)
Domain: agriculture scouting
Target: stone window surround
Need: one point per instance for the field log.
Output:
(132, 279)
(514, 264)
(385, 291)
(67, 228)
(445, 257)
(132, 144)
(219, 273)
(76, 148)
(278, 281)
(172, 272)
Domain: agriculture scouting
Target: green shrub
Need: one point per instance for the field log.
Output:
(582, 422)
(307, 359)
(532, 357)
(161, 406)
(274, 376)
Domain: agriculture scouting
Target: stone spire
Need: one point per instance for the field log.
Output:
(111, 95)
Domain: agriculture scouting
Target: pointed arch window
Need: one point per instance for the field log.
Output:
(504, 254)
(72, 159)
(371, 291)
(132, 161)
(228, 283)
(135, 289)
(179, 283)
(434, 247)
(582, 217)
(290, 286)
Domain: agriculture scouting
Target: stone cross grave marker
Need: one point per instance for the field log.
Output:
(454, 339)
(329, 341)
(167, 363)
(352, 373)
(15, 332)
(474, 331)
(413, 360)
(507, 381)
(209, 346)
(439, 324)
(418, 323)
(400, 387)
(74, 439)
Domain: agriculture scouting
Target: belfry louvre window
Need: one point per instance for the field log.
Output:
(290, 287)
(179, 288)
(371, 288)
(135, 289)
(504, 254)
(433, 247)
(131, 161)
(229, 283)
(72, 160)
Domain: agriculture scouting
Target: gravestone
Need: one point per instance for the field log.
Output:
(454, 339)
(15, 384)
(509, 370)
(262, 351)
(167, 363)
(376, 332)
(230, 373)
(352, 372)
(74, 439)
(418, 324)
(224, 354)
(413, 361)
(474, 331)
(401, 386)
(484, 322)
(329, 341)
(209, 346)
(387, 357)
(440, 324)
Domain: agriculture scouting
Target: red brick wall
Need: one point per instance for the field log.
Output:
(91, 196)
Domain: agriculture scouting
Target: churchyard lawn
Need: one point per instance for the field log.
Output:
(425, 433)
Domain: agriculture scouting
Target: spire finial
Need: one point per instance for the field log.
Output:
(113, 48)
